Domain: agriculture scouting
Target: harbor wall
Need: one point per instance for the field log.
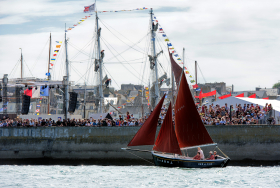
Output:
(239, 142)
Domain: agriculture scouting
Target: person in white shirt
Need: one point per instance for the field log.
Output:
(201, 153)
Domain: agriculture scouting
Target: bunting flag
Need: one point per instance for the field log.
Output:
(240, 95)
(190, 76)
(225, 96)
(56, 51)
(58, 41)
(57, 46)
(54, 54)
(195, 86)
(171, 48)
(51, 64)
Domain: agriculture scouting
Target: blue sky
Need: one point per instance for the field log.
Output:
(234, 41)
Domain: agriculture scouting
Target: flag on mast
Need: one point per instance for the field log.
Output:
(90, 8)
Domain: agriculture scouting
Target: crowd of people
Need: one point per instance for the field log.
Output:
(210, 115)
(238, 114)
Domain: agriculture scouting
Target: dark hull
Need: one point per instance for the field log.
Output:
(187, 163)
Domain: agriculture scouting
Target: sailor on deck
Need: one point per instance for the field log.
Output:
(212, 157)
(201, 153)
(197, 157)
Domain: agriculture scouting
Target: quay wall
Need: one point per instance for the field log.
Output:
(239, 142)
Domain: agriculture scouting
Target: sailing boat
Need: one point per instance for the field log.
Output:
(189, 133)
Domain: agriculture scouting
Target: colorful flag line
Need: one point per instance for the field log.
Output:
(172, 49)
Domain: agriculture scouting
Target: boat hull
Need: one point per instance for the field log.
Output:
(160, 160)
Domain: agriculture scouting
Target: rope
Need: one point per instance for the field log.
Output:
(140, 157)
(222, 152)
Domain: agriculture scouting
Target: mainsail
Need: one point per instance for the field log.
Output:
(166, 139)
(146, 134)
(177, 70)
(189, 128)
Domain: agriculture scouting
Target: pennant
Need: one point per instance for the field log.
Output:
(179, 59)
(187, 72)
(240, 95)
(171, 48)
(225, 96)
(164, 35)
(75, 25)
(57, 46)
(58, 41)
(51, 64)
(82, 20)
(52, 59)
(90, 8)
(195, 86)
(176, 55)
(166, 40)
(54, 54)
(169, 44)
(253, 96)
(56, 51)
(190, 76)
(155, 17)
(79, 22)
(192, 81)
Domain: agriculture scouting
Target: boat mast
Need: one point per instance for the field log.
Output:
(100, 60)
(67, 79)
(153, 53)
(49, 75)
(21, 64)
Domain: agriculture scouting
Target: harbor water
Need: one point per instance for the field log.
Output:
(137, 176)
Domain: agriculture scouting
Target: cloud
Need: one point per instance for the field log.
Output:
(235, 42)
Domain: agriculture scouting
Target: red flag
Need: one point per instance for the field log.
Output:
(253, 96)
(240, 95)
(202, 95)
(28, 92)
(225, 96)
(195, 86)
(54, 54)
(266, 98)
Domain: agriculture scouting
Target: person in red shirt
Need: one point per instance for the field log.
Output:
(127, 116)
(212, 157)
(197, 157)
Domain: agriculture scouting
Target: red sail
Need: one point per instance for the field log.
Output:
(177, 70)
(166, 140)
(146, 134)
(189, 128)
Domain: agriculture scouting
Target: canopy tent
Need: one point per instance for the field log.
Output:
(245, 100)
